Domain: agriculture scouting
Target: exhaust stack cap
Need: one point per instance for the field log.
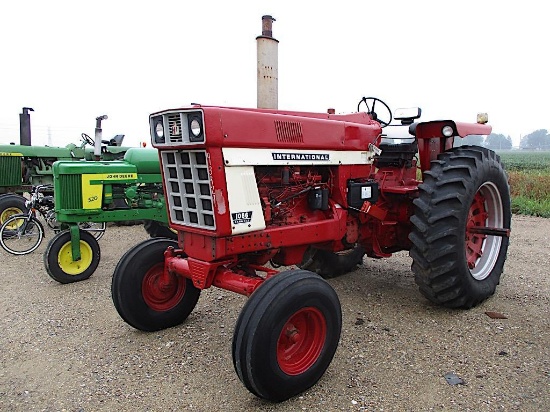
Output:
(267, 25)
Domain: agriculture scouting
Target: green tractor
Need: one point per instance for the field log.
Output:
(24, 166)
(100, 191)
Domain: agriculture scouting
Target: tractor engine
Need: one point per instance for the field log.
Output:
(293, 194)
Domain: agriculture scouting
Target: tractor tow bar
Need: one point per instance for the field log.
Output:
(490, 231)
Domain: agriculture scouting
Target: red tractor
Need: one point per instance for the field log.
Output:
(251, 190)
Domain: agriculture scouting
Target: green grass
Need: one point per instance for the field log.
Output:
(521, 161)
(525, 206)
(529, 174)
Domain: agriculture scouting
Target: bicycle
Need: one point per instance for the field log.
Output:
(23, 233)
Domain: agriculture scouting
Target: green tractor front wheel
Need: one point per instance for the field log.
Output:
(58, 257)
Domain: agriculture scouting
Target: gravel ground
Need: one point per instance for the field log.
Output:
(64, 347)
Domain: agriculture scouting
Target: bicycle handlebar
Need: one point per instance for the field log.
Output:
(39, 188)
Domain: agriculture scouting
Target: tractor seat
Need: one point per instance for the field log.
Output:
(398, 147)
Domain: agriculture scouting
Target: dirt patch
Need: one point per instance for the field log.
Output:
(64, 347)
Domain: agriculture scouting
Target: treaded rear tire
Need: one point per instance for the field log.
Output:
(465, 186)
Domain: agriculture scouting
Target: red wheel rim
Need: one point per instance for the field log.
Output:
(162, 294)
(477, 216)
(301, 341)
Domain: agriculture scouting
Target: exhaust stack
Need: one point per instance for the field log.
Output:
(268, 67)
(25, 126)
(98, 135)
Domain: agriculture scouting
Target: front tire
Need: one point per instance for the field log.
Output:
(58, 257)
(464, 194)
(286, 335)
(143, 297)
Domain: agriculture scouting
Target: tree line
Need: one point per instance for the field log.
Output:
(537, 140)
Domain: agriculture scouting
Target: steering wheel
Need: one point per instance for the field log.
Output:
(372, 113)
(87, 139)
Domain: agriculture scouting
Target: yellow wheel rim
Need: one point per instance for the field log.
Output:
(66, 262)
(7, 213)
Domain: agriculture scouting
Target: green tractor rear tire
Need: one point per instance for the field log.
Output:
(11, 204)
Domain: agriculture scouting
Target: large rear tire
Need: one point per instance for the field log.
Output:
(11, 204)
(286, 335)
(460, 227)
(329, 264)
(143, 297)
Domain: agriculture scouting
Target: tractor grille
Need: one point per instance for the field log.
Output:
(10, 171)
(188, 188)
(70, 192)
(289, 132)
(174, 128)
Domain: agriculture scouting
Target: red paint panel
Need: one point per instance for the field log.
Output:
(253, 129)
(465, 129)
(210, 248)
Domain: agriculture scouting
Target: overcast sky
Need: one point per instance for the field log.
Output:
(73, 60)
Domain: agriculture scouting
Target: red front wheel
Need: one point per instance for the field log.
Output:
(286, 335)
(144, 296)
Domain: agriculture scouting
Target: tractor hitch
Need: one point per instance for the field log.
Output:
(490, 231)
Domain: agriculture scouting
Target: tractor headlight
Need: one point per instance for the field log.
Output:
(196, 133)
(195, 127)
(158, 131)
(447, 131)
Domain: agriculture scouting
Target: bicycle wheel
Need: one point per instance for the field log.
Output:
(21, 234)
(96, 229)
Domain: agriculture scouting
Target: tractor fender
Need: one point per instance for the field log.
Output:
(428, 130)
